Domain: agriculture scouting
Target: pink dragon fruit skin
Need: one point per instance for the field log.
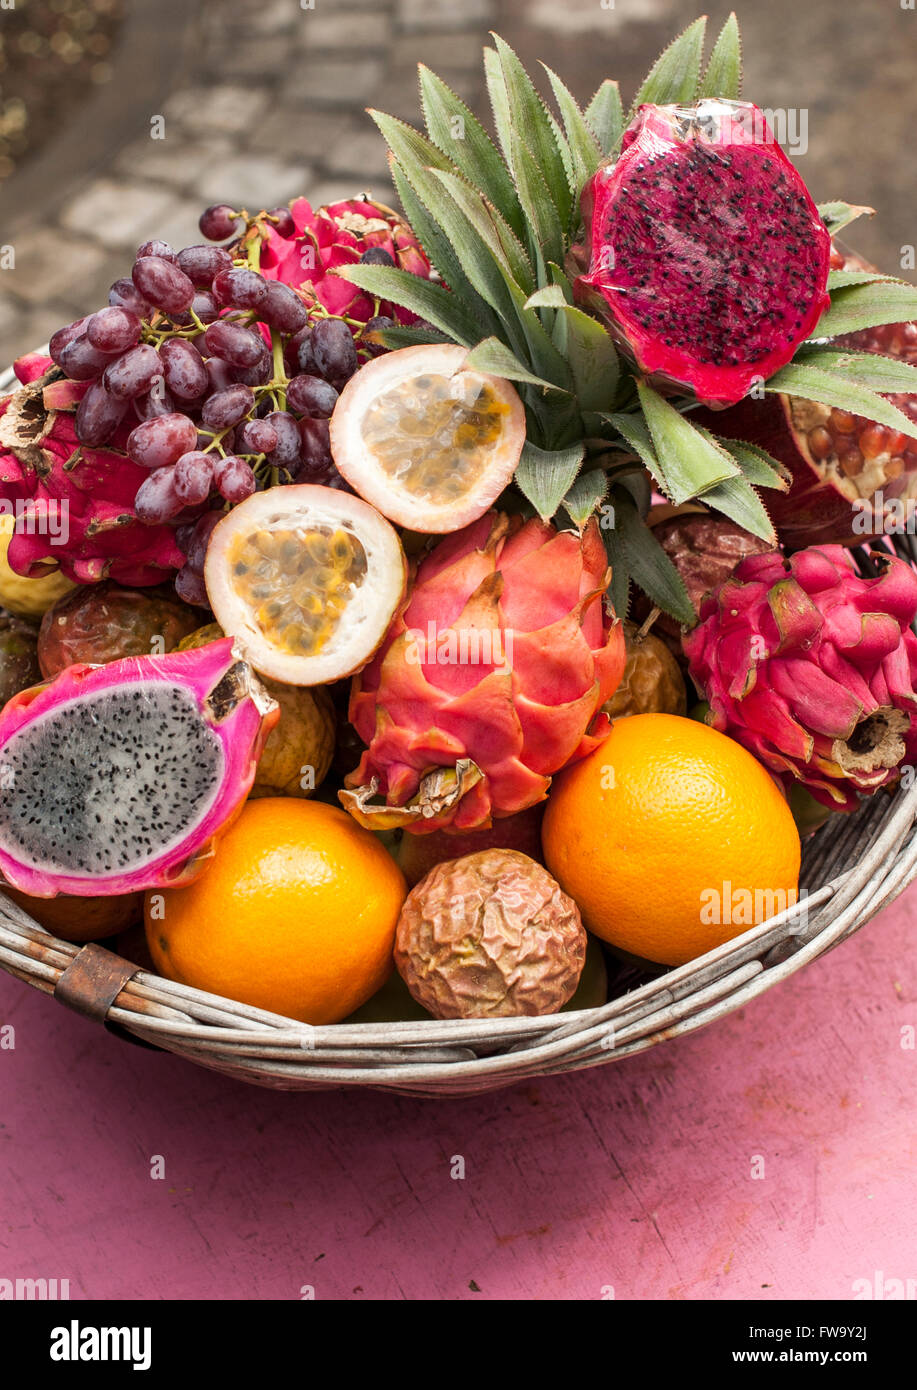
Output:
(339, 235)
(75, 505)
(520, 716)
(704, 253)
(813, 669)
(227, 705)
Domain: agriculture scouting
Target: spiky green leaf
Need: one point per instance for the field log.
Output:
(675, 75)
(536, 131)
(758, 467)
(404, 336)
(512, 256)
(648, 563)
(618, 594)
(542, 213)
(737, 499)
(499, 101)
(493, 356)
(837, 215)
(548, 297)
(723, 77)
(815, 384)
(867, 306)
(840, 279)
(585, 495)
(422, 297)
(441, 252)
(691, 462)
(584, 147)
(459, 134)
(605, 116)
(871, 369)
(545, 476)
(592, 356)
(634, 430)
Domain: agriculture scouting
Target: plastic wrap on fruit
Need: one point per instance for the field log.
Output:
(119, 777)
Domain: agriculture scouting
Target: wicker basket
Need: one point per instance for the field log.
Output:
(851, 869)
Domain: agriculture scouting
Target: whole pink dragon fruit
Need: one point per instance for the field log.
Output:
(74, 505)
(337, 235)
(118, 777)
(489, 681)
(705, 254)
(813, 669)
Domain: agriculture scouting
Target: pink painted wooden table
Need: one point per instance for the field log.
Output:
(770, 1156)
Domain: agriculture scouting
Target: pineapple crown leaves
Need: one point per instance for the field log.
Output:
(498, 218)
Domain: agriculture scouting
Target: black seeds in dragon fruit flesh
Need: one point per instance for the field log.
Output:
(120, 775)
(708, 259)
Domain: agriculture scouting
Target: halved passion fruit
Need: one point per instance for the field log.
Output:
(428, 441)
(307, 580)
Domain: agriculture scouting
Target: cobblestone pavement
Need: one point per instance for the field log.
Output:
(258, 103)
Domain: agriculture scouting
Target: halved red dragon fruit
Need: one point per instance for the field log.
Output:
(707, 258)
(117, 778)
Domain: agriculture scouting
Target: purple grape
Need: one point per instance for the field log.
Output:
(235, 344)
(257, 375)
(202, 263)
(160, 442)
(218, 222)
(133, 373)
(184, 370)
(286, 453)
(156, 500)
(240, 288)
(125, 295)
(377, 255)
(64, 336)
(190, 588)
(219, 373)
(234, 478)
(193, 478)
(98, 415)
(282, 222)
(160, 249)
(315, 442)
(283, 309)
(334, 351)
(309, 395)
(373, 325)
(298, 351)
(203, 529)
(163, 284)
(205, 306)
(256, 437)
(81, 361)
(226, 408)
(155, 403)
(113, 330)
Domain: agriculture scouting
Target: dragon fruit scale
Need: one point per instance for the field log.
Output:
(74, 505)
(705, 255)
(490, 679)
(336, 235)
(119, 777)
(813, 669)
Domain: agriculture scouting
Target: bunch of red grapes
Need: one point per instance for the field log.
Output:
(182, 344)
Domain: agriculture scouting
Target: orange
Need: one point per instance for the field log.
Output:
(672, 839)
(295, 915)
